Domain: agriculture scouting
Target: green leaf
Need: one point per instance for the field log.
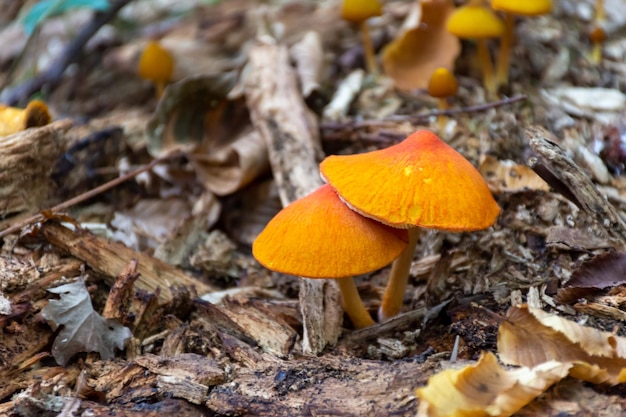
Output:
(46, 8)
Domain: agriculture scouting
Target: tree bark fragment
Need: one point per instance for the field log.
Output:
(291, 132)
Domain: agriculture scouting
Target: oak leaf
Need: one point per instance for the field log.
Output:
(486, 389)
(84, 330)
(529, 337)
(423, 45)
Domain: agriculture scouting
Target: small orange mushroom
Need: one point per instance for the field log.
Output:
(157, 65)
(318, 236)
(13, 120)
(442, 84)
(359, 11)
(420, 182)
(512, 8)
(475, 21)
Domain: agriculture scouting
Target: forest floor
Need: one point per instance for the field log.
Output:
(239, 131)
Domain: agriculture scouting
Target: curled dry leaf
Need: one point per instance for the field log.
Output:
(196, 117)
(507, 176)
(423, 45)
(84, 330)
(529, 337)
(603, 271)
(486, 389)
(308, 55)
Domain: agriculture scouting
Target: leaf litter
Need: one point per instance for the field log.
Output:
(257, 330)
(82, 328)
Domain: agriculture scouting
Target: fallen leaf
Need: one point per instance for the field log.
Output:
(84, 330)
(507, 176)
(423, 45)
(308, 55)
(603, 271)
(529, 337)
(486, 389)
(196, 117)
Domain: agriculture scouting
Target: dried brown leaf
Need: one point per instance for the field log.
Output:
(507, 176)
(84, 330)
(422, 46)
(530, 336)
(486, 389)
(603, 271)
(196, 117)
(308, 55)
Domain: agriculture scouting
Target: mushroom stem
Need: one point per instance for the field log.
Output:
(160, 87)
(393, 299)
(368, 49)
(353, 305)
(484, 59)
(442, 119)
(506, 44)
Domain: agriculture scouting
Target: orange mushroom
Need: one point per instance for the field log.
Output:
(318, 236)
(419, 182)
(359, 11)
(13, 120)
(157, 65)
(475, 21)
(442, 84)
(511, 8)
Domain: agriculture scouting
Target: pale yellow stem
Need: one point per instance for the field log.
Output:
(393, 299)
(368, 49)
(160, 87)
(353, 305)
(484, 58)
(442, 119)
(506, 46)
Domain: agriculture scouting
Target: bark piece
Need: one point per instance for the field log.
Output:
(328, 386)
(280, 115)
(28, 158)
(110, 259)
(268, 330)
(575, 182)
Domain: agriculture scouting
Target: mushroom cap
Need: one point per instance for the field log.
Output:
(442, 83)
(421, 181)
(475, 22)
(156, 63)
(360, 10)
(524, 7)
(318, 236)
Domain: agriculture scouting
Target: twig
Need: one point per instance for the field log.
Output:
(53, 74)
(416, 118)
(85, 196)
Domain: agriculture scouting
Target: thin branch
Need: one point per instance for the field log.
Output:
(417, 118)
(85, 196)
(53, 74)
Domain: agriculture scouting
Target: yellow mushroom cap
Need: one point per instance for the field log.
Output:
(360, 10)
(421, 181)
(523, 7)
(475, 22)
(318, 236)
(156, 63)
(442, 83)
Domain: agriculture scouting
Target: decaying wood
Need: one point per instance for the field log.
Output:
(268, 330)
(326, 386)
(290, 130)
(575, 181)
(28, 158)
(111, 258)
